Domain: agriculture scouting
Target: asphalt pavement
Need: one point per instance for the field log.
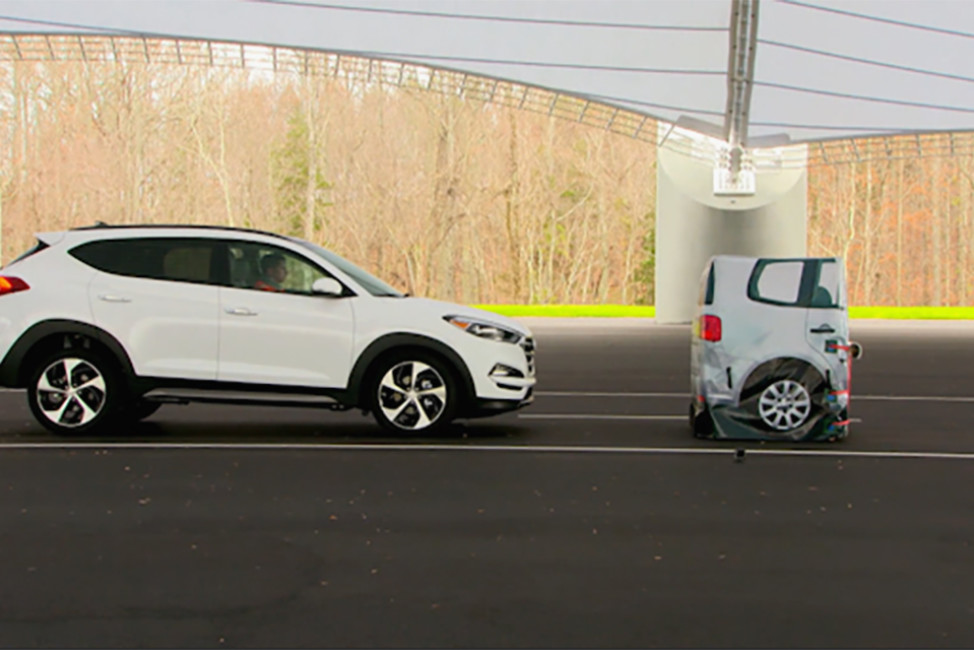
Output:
(590, 519)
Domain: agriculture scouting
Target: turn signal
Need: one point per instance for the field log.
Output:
(11, 285)
(710, 328)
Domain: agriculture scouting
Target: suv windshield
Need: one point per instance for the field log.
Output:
(369, 282)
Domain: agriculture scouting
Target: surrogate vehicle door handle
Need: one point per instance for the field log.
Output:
(240, 311)
(107, 297)
(823, 329)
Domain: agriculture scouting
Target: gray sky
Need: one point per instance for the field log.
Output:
(809, 95)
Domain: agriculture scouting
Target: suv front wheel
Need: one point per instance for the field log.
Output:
(74, 391)
(414, 392)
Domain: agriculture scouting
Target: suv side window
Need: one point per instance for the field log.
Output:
(175, 259)
(264, 267)
(828, 286)
(777, 282)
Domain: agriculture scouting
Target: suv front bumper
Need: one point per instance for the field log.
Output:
(487, 407)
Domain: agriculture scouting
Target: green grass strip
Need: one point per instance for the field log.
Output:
(913, 313)
(633, 311)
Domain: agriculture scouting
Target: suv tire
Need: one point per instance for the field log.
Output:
(399, 406)
(75, 391)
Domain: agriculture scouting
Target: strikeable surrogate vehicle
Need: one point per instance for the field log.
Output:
(770, 356)
(105, 324)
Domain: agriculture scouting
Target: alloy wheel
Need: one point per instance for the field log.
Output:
(71, 392)
(412, 395)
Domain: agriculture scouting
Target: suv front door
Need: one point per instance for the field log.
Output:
(273, 329)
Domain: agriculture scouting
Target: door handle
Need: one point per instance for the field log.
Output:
(107, 297)
(823, 329)
(240, 311)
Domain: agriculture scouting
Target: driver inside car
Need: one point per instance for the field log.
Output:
(273, 273)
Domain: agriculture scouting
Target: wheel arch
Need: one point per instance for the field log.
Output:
(393, 343)
(768, 368)
(52, 334)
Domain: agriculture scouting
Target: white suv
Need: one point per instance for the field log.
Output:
(105, 324)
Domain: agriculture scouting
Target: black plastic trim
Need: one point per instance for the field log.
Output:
(488, 407)
(12, 372)
(391, 342)
(152, 383)
(169, 226)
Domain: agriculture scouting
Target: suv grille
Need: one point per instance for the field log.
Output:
(527, 344)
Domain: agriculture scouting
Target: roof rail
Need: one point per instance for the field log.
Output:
(99, 225)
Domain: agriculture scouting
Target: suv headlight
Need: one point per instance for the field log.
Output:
(483, 329)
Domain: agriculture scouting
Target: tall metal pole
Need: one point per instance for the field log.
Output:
(740, 77)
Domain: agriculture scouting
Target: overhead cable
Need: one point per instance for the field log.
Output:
(627, 101)
(865, 98)
(506, 19)
(88, 28)
(880, 19)
(856, 59)
(891, 131)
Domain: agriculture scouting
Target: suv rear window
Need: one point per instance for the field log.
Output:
(38, 247)
(176, 259)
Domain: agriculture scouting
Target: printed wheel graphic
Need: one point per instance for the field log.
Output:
(783, 395)
(73, 391)
(414, 393)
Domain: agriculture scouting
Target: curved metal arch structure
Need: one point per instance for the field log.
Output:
(364, 70)
(319, 63)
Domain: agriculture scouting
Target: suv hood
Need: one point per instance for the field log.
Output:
(430, 306)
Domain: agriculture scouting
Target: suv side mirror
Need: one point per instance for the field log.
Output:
(327, 287)
(855, 350)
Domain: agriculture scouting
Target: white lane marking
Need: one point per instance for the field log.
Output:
(599, 416)
(595, 416)
(855, 396)
(535, 449)
(555, 393)
(912, 398)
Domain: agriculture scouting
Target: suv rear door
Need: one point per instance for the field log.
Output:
(157, 296)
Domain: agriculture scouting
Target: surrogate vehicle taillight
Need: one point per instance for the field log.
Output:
(11, 285)
(710, 328)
